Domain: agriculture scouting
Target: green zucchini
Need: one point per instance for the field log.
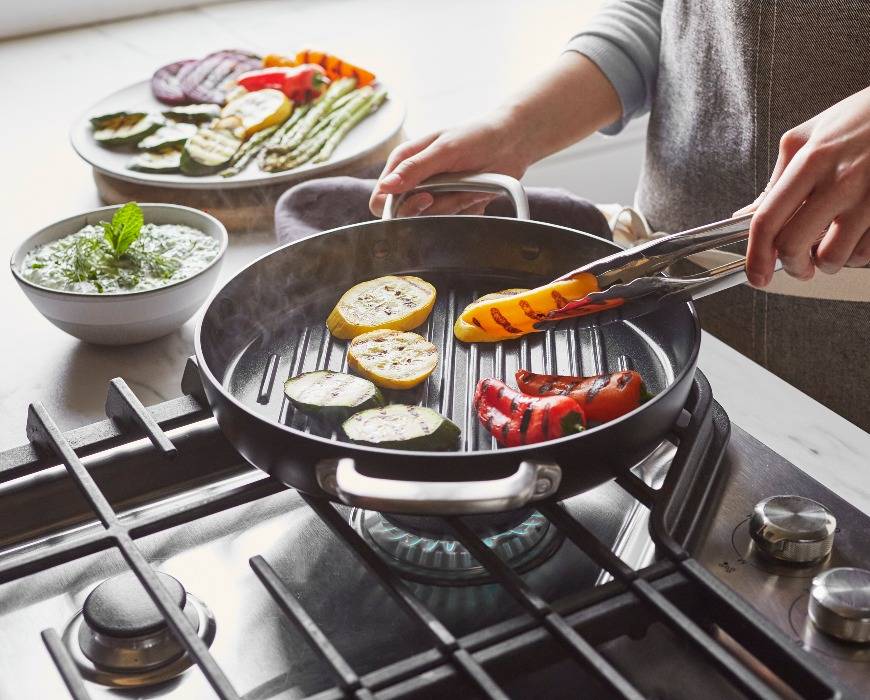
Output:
(334, 396)
(127, 129)
(399, 427)
(104, 120)
(167, 160)
(208, 151)
(193, 114)
(170, 135)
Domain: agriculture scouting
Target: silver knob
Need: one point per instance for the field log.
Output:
(793, 528)
(840, 603)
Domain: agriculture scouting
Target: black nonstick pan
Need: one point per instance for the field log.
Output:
(267, 324)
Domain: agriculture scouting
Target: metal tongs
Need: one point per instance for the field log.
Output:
(633, 282)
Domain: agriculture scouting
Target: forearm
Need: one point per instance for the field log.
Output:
(569, 101)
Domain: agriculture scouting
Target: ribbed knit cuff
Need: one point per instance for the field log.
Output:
(619, 69)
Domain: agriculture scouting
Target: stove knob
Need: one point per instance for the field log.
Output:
(793, 529)
(840, 603)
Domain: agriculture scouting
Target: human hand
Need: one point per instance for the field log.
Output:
(815, 212)
(490, 145)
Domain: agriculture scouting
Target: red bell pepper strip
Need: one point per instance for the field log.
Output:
(602, 398)
(515, 419)
(299, 83)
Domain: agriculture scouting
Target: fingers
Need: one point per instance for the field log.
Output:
(790, 143)
(398, 154)
(790, 183)
(841, 244)
(416, 204)
(861, 254)
(452, 203)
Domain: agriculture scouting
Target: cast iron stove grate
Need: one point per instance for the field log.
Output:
(675, 590)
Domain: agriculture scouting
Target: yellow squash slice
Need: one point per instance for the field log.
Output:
(392, 359)
(254, 111)
(393, 302)
(512, 316)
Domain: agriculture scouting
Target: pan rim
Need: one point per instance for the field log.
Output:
(329, 444)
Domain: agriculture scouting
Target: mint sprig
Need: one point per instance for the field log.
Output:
(124, 228)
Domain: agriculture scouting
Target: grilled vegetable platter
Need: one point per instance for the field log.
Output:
(376, 318)
(237, 119)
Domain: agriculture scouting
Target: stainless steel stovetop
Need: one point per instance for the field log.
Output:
(265, 572)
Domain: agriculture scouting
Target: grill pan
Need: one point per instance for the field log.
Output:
(268, 323)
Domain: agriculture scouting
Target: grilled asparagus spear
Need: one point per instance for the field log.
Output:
(320, 109)
(338, 131)
(248, 150)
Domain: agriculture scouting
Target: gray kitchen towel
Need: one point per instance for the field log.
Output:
(319, 205)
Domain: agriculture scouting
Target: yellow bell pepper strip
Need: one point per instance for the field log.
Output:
(516, 315)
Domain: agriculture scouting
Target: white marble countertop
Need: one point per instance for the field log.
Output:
(56, 76)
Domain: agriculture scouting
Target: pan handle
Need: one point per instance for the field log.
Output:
(532, 481)
(495, 183)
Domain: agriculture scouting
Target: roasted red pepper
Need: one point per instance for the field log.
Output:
(299, 83)
(335, 67)
(602, 398)
(515, 419)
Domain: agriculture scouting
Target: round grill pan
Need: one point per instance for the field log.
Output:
(267, 324)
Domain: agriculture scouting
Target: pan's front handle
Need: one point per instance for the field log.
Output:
(532, 481)
(495, 183)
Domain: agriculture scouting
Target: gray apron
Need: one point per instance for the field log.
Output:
(733, 77)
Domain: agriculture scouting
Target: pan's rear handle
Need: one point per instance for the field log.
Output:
(532, 481)
(481, 182)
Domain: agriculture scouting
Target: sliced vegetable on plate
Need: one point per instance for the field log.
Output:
(255, 111)
(166, 82)
(208, 151)
(165, 160)
(124, 128)
(334, 396)
(170, 135)
(397, 302)
(400, 427)
(193, 114)
(335, 67)
(392, 359)
(515, 419)
(299, 83)
(603, 398)
(213, 76)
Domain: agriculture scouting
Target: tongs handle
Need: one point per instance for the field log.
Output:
(629, 282)
(660, 253)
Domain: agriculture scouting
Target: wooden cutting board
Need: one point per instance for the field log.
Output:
(240, 209)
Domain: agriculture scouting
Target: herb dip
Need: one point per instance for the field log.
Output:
(85, 262)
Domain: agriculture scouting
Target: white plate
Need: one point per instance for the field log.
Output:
(370, 134)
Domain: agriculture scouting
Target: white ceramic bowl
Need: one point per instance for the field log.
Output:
(129, 317)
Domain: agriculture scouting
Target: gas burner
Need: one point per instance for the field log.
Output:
(120, 639)
(424, 548)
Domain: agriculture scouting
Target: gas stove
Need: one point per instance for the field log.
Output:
(142, 557)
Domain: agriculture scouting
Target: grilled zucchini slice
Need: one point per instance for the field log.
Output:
(193, 114)
(392, 359)
(334, 396)
(126, 128)
(399, 427)
(167, 160)
(397, 302)
(170, 135)
(208, 151)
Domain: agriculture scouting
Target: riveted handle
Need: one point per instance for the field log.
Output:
(532, 481)
(496, 183)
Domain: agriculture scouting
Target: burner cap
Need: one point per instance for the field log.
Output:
(120, 606)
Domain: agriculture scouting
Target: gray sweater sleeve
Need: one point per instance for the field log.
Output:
(622, 39)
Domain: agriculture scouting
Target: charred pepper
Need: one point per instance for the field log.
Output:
(515, 419)
(603, 398)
